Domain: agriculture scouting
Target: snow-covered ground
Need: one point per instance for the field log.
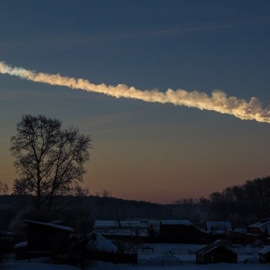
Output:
(185, 253)
(110, 266)
(182, 256)
(221, 266)
(37, 266)
(158, 257)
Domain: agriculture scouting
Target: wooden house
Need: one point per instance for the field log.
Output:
(181, 231)
(239, 236)
(261, 228)
(47, 237)
(218, 227)
(215, 253)
(264, 255)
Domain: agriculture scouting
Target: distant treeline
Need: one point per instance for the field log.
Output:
(241, 205)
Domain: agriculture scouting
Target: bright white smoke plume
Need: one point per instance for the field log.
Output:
(218, 101)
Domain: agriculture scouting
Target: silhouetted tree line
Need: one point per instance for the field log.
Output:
(239, 204)
(242, 204)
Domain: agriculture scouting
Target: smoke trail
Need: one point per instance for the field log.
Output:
(218, 101)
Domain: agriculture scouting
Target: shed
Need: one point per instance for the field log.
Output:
(218, 226)
(237, 236)
(261, 228)
(181, 231)
(215, 253)
(264, 254)
(47, 237)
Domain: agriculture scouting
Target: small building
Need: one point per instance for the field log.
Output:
(215, 253)
(241, 236)
(218, 226)
(101, 249)
(264, 255)
(181, 231)
(218, 229)
(47, 237)
(261, 228)
(238, 236)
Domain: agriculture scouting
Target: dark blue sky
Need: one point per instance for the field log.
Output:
(143, 151)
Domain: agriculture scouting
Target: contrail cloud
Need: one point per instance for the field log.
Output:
(218, 101)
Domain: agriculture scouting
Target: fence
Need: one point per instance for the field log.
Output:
(125, 258)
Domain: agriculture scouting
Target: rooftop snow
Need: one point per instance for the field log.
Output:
(218, 225)
(176, 222)
(51, 225)
(264, 250)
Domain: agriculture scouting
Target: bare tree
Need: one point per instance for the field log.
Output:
(48, 158)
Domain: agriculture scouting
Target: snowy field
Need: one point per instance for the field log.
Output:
(222, 266)
(159, 256)
(182, 256)
(109, 266)
(37, 266)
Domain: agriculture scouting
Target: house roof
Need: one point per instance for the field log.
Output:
(218, 226)
(211, 247)
(264, 227)
(260, 224)
(265, 220)
(98, 242)
(50, 225)
(21, 244)
(176, 222)
(206, 249)
(264, 250)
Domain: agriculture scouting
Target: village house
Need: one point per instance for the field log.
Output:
(261, 228)
(215, 253)
(264, 255)
(237, 236)
(241, 236)
(47, 237)
(218, 227)
(169, 231)
(181, 231)
(130, 230)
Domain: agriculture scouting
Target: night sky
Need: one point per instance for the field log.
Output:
(144, 151)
